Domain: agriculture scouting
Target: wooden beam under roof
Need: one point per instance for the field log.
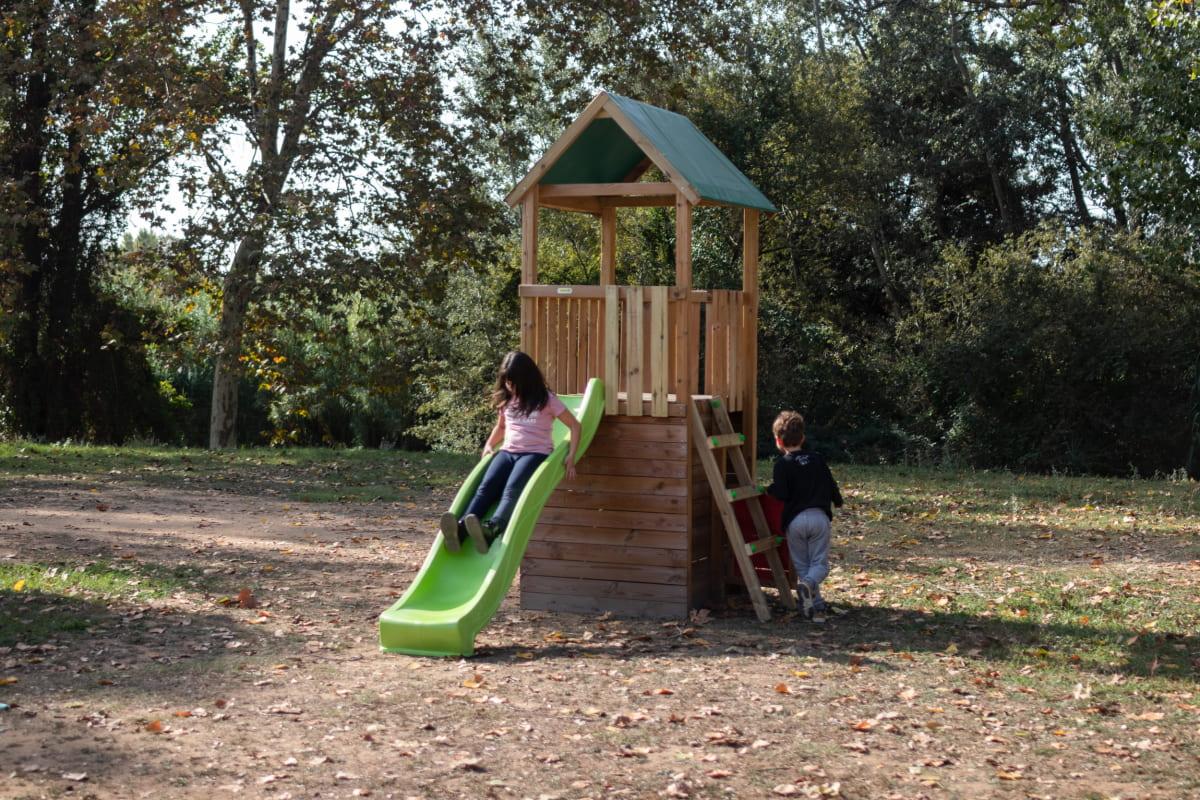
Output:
(555, 190)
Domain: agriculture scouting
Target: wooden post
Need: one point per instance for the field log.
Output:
(683, 242)
(612, 348)
(529, 236)
(659, 351)
(608, 246)
(635, 344)
(750, 338)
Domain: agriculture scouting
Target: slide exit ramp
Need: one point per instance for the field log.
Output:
(455, 594)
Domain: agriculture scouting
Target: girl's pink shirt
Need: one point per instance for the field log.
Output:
(531, 434)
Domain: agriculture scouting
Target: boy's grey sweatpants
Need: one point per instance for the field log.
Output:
(808, 544)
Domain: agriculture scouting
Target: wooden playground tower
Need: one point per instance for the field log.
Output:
(639, 531)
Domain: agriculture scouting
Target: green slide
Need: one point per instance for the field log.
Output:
(455, 594)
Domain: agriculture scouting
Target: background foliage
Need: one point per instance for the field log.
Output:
(985, 252)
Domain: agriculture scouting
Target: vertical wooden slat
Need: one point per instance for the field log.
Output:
(612, 348)
(562, 374)
(724, 350)
(594, 336)
(710, 315)
(551, 350)
(712, 347)
(598, 338)
(547, 334)
(677, 342)
(695, 332)
(634, 336)
(659, 352)
(581, 343)
(529, 317)
(683, 242)
(750, 245)
(608, 246)
(735, 352)
(721, 351)
(568, 337)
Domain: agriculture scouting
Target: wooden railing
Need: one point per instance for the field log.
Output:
(654, 343)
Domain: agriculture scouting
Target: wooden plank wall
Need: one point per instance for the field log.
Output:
(644, 341)
(564, 335)
(631, 534)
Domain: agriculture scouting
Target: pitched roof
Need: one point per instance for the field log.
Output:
(614, 134)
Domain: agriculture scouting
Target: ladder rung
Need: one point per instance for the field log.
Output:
(726, 440)
(744, 492)
(763, 545)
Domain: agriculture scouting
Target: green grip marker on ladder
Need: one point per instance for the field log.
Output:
(715, 402)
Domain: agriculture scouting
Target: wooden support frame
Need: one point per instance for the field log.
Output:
(608, 246)
(556, 190)
(683, 242)
(750, 248)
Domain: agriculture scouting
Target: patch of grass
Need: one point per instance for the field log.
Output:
(100, 578)
(305, 474)
(38, 601)
(1056, 579)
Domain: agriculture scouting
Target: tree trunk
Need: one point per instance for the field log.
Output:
(999, 185)
(26, 244)
(879, 252)
(227, 371)
(1193, 457)
(1072, 153)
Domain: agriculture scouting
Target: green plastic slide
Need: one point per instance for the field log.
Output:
(455, 594)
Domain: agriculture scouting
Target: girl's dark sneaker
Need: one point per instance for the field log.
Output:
(493, 530)
(475, 531)
(450, 531)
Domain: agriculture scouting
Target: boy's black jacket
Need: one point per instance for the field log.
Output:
(802, 480)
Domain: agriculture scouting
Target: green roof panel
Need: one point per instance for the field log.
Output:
(603, 153)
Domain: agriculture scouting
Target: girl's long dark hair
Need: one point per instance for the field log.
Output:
(529, 387)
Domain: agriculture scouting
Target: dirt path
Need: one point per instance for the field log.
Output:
(189, 694)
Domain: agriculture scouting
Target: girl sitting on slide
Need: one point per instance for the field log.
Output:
(526, 411)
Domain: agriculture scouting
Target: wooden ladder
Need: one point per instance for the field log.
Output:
(726, 438)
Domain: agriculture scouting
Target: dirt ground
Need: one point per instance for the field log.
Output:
(189, 694)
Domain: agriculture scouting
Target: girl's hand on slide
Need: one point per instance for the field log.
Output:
(570, 465)
(487, 450)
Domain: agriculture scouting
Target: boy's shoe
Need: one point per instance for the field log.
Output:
(450, 531)
(804, 589)
(475, 531)
(819, 616)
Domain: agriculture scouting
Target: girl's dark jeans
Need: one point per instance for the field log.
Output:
(506, 476)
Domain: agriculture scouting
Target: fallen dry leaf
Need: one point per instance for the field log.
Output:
(154, 727)
(246, 599)
(783, 688)
(74, 776)
(474, 682)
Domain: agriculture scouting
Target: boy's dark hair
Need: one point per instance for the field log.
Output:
(789, 428)
(529, 387)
